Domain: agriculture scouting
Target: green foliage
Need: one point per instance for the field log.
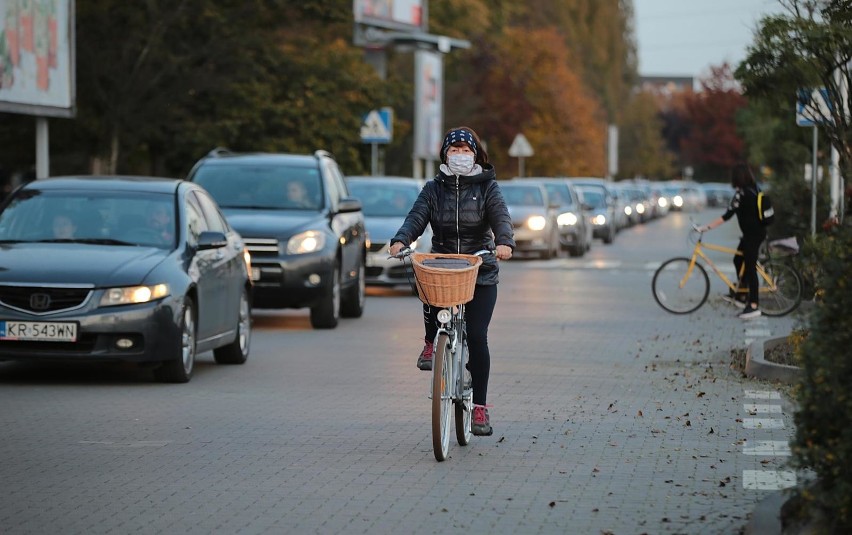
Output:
(823, 440)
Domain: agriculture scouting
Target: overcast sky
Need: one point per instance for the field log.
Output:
(686, 37)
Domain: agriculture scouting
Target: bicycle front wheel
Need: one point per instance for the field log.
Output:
(679, 288)
(442, 372)
(464, 406)
(780, 288)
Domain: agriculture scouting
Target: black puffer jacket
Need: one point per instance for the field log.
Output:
(467, 214)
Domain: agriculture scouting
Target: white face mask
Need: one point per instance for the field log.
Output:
(460, 164)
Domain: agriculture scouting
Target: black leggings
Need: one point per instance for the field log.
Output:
(750, 246)
(477, 317)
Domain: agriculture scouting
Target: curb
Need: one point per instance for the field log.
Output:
(758, 367)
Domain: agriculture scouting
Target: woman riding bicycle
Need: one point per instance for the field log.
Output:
(744, 205)
(466, 210)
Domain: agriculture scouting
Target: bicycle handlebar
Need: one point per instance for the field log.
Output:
(407, 251)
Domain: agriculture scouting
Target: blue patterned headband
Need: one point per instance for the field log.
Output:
(455, 136)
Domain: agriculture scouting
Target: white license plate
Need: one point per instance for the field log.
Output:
(42, 331)
(255, 274)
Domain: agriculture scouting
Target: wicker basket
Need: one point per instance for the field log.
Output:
(444, 280)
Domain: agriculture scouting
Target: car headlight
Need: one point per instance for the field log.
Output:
(567, 219)
(628, 210)
(133, 295)
(536, 222)
(640, 208)
(306, 242)
(662, 202)
(247, 260)
(677, 200)
(599, 219)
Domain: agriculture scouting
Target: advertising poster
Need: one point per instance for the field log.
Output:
(428, 104)
(394, 14)
(36, 57)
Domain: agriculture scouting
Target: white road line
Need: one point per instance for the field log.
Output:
(768, 447)
(768, 479)
(754, 408)
(762, 394)
(763, 423)
(758, 333)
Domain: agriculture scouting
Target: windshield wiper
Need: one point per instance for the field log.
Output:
(96, 241)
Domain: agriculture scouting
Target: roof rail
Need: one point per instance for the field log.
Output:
(218, 151)
(320, 153)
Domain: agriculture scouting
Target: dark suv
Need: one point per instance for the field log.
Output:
(305, 233)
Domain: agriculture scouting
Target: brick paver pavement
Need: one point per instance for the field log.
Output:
(610, 416)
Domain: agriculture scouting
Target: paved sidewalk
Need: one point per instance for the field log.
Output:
(610, 416)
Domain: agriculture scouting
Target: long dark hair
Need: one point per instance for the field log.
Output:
(481, 153)
(742, 177)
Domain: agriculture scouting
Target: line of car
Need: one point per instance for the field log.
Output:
(155, 271)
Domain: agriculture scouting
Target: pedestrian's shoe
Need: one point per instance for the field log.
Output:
(424, 361)
(735, 300)
(481, 424)
(749, 312)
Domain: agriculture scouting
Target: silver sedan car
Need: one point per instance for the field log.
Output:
(386, 200)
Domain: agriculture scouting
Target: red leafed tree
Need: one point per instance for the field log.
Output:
(712, 144)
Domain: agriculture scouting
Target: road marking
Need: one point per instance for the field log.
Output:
(768, 479)
(758, 333)
(754, 408)
(762, 394)
(768, 447)
(763, 423)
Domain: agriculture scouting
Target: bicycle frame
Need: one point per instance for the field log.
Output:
(698, 251)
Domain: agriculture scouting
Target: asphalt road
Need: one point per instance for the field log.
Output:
(610, 416)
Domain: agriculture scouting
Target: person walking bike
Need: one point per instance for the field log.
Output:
(744, 206)
(467, 213)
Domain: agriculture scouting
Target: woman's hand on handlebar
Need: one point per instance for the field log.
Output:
(395, 248)
(504, 252)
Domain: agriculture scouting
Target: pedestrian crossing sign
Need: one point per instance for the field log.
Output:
(377, 126)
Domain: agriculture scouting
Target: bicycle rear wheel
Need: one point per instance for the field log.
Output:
(677, 288)
(464, 406)
(442, 371)
(780, 289)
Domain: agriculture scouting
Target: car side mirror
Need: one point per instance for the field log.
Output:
(211, 239)
(349, 204)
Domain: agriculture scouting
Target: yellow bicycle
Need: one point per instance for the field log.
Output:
(681, 285)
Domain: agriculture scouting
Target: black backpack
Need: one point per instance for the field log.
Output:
(765, 212)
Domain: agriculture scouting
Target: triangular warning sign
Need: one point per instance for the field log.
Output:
(374, 127)
(520, 148)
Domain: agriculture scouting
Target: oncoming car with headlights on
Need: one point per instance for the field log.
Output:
(305, 232)
(122, 269)
(534, 217)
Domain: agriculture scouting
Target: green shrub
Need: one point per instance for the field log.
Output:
(823, 439)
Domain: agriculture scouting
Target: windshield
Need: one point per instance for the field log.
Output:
(559, 194)
(103, 217)
(594, 197)
(274, 187)
(522, 196)
(384, 200)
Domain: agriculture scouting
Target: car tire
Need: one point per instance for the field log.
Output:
(326, 314)
(610, 236)
(355, 296)
(237, 352)
(179, 369)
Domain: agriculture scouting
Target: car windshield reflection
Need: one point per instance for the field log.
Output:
(102, 218)
(262, 187)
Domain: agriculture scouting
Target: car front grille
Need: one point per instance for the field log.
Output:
(44, 299)
(377, 246)
(262, 247)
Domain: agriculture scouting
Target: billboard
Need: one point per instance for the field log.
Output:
(37, 57)
(428, 104)
(405, 15)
